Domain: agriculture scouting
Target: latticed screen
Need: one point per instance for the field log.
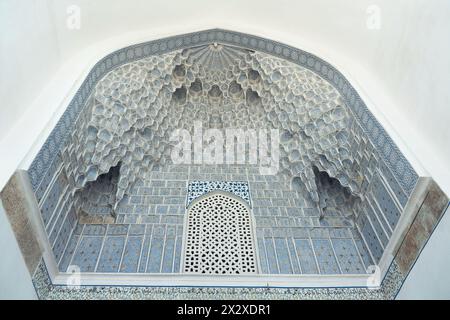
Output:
(219, 237)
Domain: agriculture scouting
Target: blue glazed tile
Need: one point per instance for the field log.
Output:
(131, 255)
(47, 178)
(162, 209)
(340, 233)
(159, 230)
(168, 259)
(385, 202)
(364, 253)
(293, 255)
(325, 257)
(171, 231)
(262, 256)
(117, 229)
(50, 202)
(68, 253)
(141, 209)
(319, 233)
(78, 229)
(144, 254)
(393, 183)
(372, 241)
(284, 261)
(377, 226)
(305, 255)
(111, 254)
(372, 207)
(156, 249)
(94, 230)
(271, 256)
(129, 219)
(87, 253)
(136, 229)
(177, 258)
(155, 256)
(63, 238)
(65, 220)
(347, 256)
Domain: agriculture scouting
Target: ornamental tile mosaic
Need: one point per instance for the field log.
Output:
(339, 194)
(47, 291)
(199, 188)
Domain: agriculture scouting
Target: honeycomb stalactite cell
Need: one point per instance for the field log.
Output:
(135, 108)
(98, 196)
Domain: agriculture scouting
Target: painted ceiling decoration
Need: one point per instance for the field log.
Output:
(136, 106)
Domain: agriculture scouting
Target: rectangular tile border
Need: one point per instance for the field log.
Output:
(48, 291)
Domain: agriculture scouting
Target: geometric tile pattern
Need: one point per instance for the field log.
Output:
(219, 237)
(303, 254)
(199, 188)
(150, 248)
(147, 236)
(390, 286)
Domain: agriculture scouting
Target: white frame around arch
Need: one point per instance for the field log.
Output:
(35, 158)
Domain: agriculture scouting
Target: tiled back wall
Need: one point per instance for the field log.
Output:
(57, 208)
(380, 210)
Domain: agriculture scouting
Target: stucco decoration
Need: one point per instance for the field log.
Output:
(135, 108)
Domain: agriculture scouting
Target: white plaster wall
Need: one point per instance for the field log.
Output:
(29, 56)
(429, 278)
(15, 281)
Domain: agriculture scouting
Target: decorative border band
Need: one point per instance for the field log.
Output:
(198, 188)
(47, 291)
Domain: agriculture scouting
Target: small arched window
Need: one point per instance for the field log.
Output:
(219, 236)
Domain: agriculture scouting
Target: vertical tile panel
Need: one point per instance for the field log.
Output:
(372, 241)
(132, 254)
(87, 253)
(68, 253)
(385, 202)
(377, 227)
(284, 262)
(168, 260)
(325, 256)
(177, 259)
(111, 254)
(347, 256)
(364, 253)
(262, 256)
(156, 250)
(305, 256)
(144, 253)
(271, 256)
(293, 255)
